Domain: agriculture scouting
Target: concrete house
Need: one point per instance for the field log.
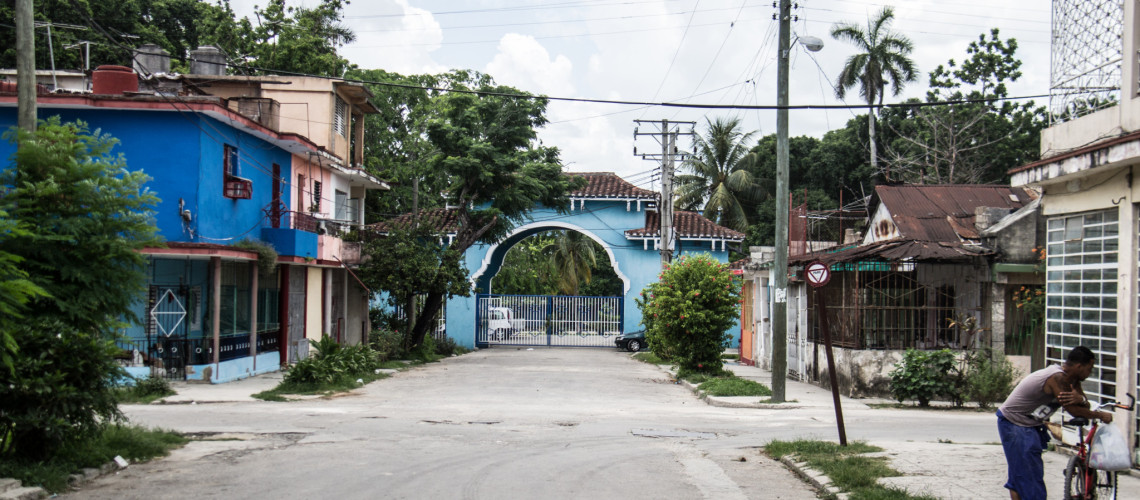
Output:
(1090, 163)
(935, 270)
(225, 172)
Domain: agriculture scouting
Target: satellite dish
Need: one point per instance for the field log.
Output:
(811, 43)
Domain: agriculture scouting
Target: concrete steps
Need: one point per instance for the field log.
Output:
(11, 489)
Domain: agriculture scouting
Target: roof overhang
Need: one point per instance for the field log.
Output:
(357, 94)
(1079, 163)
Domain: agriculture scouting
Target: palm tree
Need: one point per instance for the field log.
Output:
(572, 256)
(720, 177)
(882, 59)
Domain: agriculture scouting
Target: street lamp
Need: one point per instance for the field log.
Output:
(780, 265)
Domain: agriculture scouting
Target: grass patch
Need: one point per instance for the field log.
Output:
(733, 386)
(145, 391)
(847, 469)
(649, 357)
(730, 356)
(130, 442)
(343, 383)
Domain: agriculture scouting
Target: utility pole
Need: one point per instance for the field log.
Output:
(780, 266)
(666, 134)
(25, 66)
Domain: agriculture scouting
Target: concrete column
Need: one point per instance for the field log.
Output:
(327, 295)
(997, 314)
(216, 264)
(1127, 304)
(253, 313)
(1130, 69)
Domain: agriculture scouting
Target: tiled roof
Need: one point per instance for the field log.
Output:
(896, 250)
(688, 225)
(609, 185)
(944, 213)
(444, 220)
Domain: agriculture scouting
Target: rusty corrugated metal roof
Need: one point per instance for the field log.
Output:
(688, 225)
(943, 212)
(896, 250)
(443, 220)
(609, 185)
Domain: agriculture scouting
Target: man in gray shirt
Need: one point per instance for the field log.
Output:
(1022, 417)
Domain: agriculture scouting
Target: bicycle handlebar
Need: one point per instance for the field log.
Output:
(1110, 404)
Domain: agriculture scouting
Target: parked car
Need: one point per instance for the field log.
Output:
(501, 323)
(631, 341)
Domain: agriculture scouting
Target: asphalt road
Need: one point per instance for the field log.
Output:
(503, 423)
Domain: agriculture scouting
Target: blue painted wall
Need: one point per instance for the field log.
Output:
(604, 222)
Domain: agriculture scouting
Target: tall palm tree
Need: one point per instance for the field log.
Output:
(882, 59)
(572, 256)
(720, 175)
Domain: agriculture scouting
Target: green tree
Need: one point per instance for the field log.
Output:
(301, 39)
(15, 289)
(89, 217)
(572, 257)
(970, 142)
(688, 311)
(720, 181)
(882, 59)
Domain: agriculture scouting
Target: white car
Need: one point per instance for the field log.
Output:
(501, 323)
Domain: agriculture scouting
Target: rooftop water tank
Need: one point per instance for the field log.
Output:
(113, 80)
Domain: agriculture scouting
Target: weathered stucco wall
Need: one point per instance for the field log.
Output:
(860, 374)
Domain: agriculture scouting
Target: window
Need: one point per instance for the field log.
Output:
(234, 186)
(341, 200)
(340, 118)
(354, 210)
(1081, 293)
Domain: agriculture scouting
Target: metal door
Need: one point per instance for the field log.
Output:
(167, 321)
(297, 346)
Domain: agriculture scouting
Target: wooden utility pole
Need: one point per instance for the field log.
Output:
(780, 266)
(666, 135)
(25, 66)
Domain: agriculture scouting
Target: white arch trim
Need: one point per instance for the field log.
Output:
(554, 224)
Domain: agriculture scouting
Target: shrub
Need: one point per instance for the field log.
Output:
(988, 377)
(924, 375)
(60, 391)
(687, 312)
(332, 363)
(266, 255)
(387, 343)
(446, 346)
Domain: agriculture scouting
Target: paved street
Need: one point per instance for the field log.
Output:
(544, 423)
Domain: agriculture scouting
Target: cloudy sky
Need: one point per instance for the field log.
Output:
(694, 51)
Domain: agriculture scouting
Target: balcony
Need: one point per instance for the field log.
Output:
(292, 234)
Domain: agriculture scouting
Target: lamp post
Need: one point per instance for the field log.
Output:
(780, 265)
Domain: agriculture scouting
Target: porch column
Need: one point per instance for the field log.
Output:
(216, 263)
(253, 313)
(344, 305)
(283, 317)
(326, 294)
(1126, 299)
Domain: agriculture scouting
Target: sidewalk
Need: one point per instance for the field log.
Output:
(942, 470)
(230, 392)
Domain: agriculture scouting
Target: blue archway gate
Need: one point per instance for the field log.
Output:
(548, 320)
(619, 217)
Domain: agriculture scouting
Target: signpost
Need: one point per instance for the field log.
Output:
(817, 274)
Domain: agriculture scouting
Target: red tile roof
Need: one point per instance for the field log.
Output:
(943, 213)
(609, 185)
(444, 220)
(688, 225)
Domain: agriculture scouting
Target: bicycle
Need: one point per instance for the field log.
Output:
(1078, 475)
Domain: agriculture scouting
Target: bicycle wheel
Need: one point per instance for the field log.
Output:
(1074, 480)
(1105, 485)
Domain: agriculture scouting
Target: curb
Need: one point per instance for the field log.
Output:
(816, 478)
(11, 489)
(715, 401)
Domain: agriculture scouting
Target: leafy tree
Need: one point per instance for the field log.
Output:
(15, 289)
(971, 142)
(409, 261)
(572, 257)
(882, 59)
(721, 182)
(688, 310)
(604, 281)
(88, 218)
(301, 39)
(90, 215)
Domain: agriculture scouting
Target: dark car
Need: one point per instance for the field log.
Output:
(631, 341)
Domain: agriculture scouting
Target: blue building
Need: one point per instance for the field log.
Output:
(233, 165)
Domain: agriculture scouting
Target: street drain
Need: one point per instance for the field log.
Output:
(672, 433)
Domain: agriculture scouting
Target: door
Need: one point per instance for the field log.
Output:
(297, 345)
(167, 322)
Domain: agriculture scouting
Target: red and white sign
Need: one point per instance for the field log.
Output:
(817, 274)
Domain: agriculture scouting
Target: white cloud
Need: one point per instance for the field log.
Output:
(394, 36)
(524, 63)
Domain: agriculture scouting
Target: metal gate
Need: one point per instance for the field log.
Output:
(167, 321)
(543, 320)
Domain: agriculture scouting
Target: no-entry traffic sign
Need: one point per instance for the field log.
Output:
(817, 274)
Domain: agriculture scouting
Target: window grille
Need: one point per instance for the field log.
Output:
(1080, 296)
(340, 118)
